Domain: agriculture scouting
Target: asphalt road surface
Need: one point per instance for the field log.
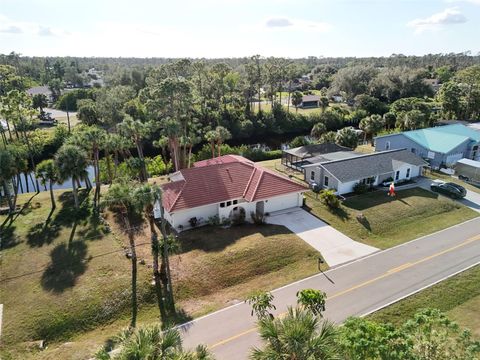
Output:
(354, 289)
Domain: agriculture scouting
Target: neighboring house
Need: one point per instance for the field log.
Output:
(226, 187)
(337, 98)
(40, 90)
(297, 157)
(371, 169)
(310, 101)
(434, 83)
(441, 145)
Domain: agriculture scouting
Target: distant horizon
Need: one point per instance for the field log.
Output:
(465, 53)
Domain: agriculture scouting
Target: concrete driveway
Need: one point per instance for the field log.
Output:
(335, 247)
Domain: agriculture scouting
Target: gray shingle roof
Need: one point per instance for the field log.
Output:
(338, 155)
(310, 98)
(377, 163)
(309, 151)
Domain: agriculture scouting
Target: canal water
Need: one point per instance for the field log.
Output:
(66, 185)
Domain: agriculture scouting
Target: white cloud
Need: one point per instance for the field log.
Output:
(10, 26)
(278, 22)
(450, 16)
(295, 24)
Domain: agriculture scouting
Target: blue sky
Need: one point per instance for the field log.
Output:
(231, 28)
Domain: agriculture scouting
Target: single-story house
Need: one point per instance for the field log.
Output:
(310, 101)
(372, 169)
(440, 145)
(44, 90)
(226, 187)
(297, 157)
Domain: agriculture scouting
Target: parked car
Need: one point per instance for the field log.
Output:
(449, 189)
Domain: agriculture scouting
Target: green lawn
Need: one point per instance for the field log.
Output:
(458, 296)
(59, 278)
(276, 165)
(391, 221)
(78, 291)
(445, 177)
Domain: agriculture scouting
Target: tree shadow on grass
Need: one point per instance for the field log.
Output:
(8, 239)
(68, 262)
(67, 217)
(364, 222)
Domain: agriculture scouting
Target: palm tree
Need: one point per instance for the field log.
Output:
(211, 137)
(298, 335)
(136, 131)
(71, 162)
(94, 138)
(172, 130)
(154, 344)
(147, 195)
(222, 135)
(318, 130)
(7, 171)
(297, 97)
(120, 198)
(47, 172)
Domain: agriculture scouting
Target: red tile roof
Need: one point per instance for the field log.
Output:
(224, 178)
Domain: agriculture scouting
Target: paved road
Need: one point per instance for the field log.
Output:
(335, 247)
(356, 288)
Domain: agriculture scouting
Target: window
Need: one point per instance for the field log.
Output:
(235, 202)
(222, 205)
(414, 150)
(325, 182)
(397, 175)
(229, 203)
(408, 172)
(312, 175)
(387, 145)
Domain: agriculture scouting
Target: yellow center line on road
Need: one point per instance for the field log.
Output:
(363, 284)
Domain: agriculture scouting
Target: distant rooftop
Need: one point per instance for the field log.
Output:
(309, 151)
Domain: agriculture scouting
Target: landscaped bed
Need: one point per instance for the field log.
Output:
(458, 296)
(78, 291)
(382, 221)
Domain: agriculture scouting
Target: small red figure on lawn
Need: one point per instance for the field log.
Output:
(391, 190)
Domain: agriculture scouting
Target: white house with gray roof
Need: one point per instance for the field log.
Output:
(344, 172)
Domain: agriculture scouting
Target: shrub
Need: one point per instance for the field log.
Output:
(156, 166)
(214, 220)
(257, 218)
(193, 221)
(329, 198)
(360, 188)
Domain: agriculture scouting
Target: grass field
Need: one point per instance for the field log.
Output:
(74, 291)
(391, 221)
(458, 296)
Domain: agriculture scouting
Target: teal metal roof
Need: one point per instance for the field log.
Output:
(443, 139)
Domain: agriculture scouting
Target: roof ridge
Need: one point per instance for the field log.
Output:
(365, 155)
(258, 183)
(249, 182)
(179, 193)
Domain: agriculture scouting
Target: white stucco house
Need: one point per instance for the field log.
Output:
(341, 171)
(225, 187)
